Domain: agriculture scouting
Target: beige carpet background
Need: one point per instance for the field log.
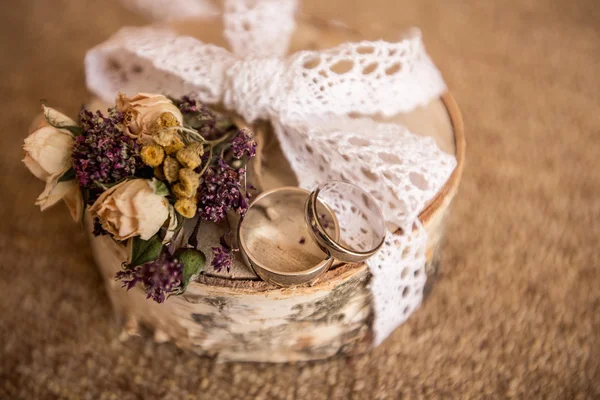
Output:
(516, 311)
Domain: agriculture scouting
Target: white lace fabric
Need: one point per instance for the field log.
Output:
(250, 28)
(309, 97)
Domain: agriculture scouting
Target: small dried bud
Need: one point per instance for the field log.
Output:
(165, 138)
(189, 156)
(170, 140)
(152, 155)
(175, 147)
(171, 169)
(198, 148)
(180, 191)
(188, 183)
(189, 179)
(186, 207)
(165, 120)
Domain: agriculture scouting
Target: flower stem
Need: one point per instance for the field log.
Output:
(187, 130)
(221, 139)
(210, 155)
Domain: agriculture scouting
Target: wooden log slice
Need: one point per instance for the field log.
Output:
(240, 318)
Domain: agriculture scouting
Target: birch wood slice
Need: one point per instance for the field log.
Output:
(236, 316)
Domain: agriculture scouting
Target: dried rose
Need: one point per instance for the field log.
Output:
(147, 113)
(48, 156)
(131, 208)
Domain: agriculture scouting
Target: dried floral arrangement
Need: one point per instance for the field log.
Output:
(145, 169)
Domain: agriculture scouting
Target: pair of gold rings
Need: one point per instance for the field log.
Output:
(290, 236)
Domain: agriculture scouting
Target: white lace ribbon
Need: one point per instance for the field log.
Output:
(309, 97)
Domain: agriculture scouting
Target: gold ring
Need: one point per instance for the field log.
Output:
(273, 234)
(275, 242)
(359, 211)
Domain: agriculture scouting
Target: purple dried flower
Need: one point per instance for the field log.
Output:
(104, 154)
(243, 143)
(209, 124)
(160, 277)
(187, 105)
(222, 258)
(220, 191)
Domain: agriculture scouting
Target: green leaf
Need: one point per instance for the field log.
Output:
(160, 187)
(75, 130)
(67, 176)
(61, 121)
(143, 251)
(193, 262)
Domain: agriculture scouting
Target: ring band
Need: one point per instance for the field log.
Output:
(271, 236)
(274, 240)
(334, 246)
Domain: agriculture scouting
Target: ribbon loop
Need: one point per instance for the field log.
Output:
(253, 87)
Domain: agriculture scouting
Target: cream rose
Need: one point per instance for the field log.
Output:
(48, 156)
(145, 113)
(131, 208)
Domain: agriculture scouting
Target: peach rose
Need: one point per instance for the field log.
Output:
(146, 113)
(48, 156)
(132, 208)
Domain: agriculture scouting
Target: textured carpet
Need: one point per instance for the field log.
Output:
(516, 311)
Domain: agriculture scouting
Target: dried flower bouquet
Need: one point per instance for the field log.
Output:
(142, 170)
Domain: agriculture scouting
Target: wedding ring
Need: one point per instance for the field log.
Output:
(275, 242)
(290, 236)
(362, 224)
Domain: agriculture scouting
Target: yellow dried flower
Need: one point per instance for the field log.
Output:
(165, 138)
(198, 148)
(189, 179)
(175, 147)
(166, 120)
(180, 191)
(186, 207)
(189, 156)
(170, 140)
(171, 169)
(152, 155)
(188, 183)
